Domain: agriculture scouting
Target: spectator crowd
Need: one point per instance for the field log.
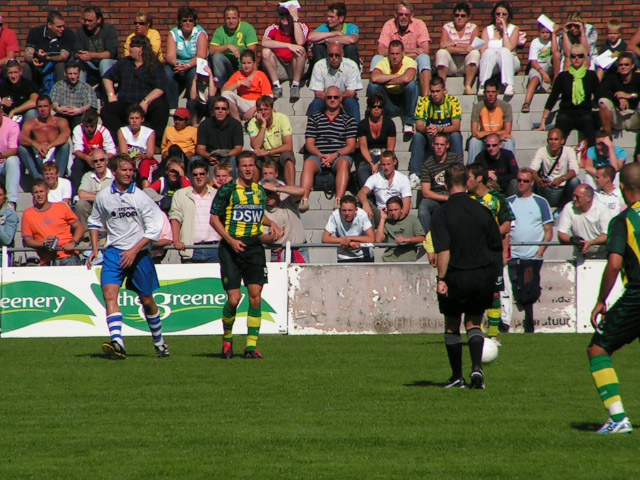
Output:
(79, 97)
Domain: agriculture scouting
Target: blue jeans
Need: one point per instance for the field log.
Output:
(421, 143)
(403, 104)
(10, 168)
(477, 146)
(223, 68)
(425, 210)
(203, 255)
(351, 107)
(33, 161)
(176, 82)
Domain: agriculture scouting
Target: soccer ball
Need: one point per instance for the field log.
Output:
(489, 351)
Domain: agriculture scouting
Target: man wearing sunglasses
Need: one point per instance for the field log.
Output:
(618, 95)
(220, 137)
(534, 223)
(339, 72)
(92, 182)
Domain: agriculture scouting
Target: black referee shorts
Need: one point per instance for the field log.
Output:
(469, 291)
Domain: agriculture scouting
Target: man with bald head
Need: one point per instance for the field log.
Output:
(330, 139)
(621, 324)
(336, 71)
(555, 170)
(584, 222)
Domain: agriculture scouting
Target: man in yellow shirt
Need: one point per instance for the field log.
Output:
(272, 137)
(395, 78)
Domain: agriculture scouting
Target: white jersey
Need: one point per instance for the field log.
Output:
(128, 217)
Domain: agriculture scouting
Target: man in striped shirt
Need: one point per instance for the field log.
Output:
(330, 139)
(237, 214)
(439, 112)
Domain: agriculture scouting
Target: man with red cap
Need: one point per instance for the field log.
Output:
(180, 139)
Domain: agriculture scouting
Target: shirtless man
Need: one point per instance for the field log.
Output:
(44, 138)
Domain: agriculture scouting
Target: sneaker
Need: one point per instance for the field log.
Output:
(253, 354)
(162, 351)
(408, 130)
(477, 380)
(114, 350)
(508, 91)
(455, 382)
(277, 91)
(304, 205)
(227, 350)
(481, 92)
(623, 426)
(294, 92)
(414, 179)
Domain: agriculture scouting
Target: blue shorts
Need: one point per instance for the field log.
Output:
(333, 166)
(141, 276)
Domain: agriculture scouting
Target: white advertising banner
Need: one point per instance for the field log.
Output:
(68, 302)
(589, 276)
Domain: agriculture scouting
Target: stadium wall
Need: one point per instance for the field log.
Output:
(369, 15)
(298, 300)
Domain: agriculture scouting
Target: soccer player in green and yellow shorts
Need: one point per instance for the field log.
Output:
(621, 323)
(499, 207)
(237, 214)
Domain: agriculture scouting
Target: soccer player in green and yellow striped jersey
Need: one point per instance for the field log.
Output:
(619, 324)
(499, 207)
(237, 214)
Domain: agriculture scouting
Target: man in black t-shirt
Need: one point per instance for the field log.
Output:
(17, 94)
(501, 165)
(619, 97)
(220, 137)
(466, 239)
(48, 47)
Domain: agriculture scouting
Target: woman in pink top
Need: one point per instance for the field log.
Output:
(246, 86)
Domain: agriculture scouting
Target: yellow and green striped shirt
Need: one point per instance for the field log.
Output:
(241, 209)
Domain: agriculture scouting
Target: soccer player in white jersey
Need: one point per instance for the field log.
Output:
(133, 221)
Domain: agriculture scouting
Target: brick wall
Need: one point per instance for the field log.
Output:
(369, 15)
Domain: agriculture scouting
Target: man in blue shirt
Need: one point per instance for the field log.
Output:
(534, 223)
(335, 30)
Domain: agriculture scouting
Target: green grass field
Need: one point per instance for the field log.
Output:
(351, 407)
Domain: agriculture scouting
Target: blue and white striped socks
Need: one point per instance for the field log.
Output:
(155, 325)
(114, 322)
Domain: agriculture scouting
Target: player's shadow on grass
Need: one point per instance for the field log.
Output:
(211, 355)
(586, 426)
(425, 383)
(102, 356)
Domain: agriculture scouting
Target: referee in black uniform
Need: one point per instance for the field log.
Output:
(466, 239)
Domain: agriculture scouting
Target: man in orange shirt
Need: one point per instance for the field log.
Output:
(51, 228)
(180, 139)
(245, 87)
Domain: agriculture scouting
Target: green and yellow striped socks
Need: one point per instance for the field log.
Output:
(228, 319)
(606, 380)
(253, 322)
(494, 314)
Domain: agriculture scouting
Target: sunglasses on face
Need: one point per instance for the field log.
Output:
(624, 64)
(522, 180)
(136, 22)
(376, 106)
(577, 55)
(491, 145)
(460, 15)
(199, 174)
(332, 97)
(190, 20)
(100, 159)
